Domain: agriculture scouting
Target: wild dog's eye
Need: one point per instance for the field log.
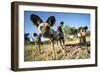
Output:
(41, 27)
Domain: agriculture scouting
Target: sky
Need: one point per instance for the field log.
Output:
(71, 19)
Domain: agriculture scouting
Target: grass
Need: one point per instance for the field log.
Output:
(72, 52)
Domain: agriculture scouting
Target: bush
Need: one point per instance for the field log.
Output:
(71, 39)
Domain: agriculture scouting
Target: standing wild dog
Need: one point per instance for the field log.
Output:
(37, 41)
(81, 33)
(45, 29)
(60, 35)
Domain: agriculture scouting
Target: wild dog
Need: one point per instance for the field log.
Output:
(60, 35)
(37, 41)
(26, 38)
(81, 33)
(46, 30)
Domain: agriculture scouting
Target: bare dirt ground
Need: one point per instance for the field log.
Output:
(71, 52)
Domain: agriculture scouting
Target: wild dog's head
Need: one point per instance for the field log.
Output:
(26, 36)
(60, 26)
(81, 31)
(44, 27)
(35, 34)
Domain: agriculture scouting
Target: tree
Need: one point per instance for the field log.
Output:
(67, 30)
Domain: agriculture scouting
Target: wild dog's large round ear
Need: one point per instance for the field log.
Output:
(36, 19)
(51, 20)
(85, 28)
(80, 28)
(61, 24)
(26, 34)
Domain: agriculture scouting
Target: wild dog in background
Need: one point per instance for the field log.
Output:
(46, 30)
(26, 38)
(82, 33)
(37, 41)
(60, 35)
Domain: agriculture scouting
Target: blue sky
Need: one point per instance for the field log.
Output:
(70, 19)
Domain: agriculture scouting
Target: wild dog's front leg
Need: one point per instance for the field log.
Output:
(39, 43)
(64, 44)
(39, 47)
(57, 43)
(84, 40)
(62, 49)
(54, 51)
